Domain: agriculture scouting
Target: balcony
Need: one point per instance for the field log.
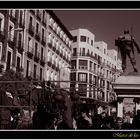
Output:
(30, 53)
(42, 61)
(50, 45)
(54, 48)
(53, 66)
(57, 51)
(49, 63)
(43, 42)
(83, 67)
(2, 35)
(20, 47)
(36, 57)
(57, 69)
(61, 55)
(11, 41)
(37, 36)
(31, 30)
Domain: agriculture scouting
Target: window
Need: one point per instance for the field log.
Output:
(73, 63)
(82, 88)
(27, 68)
(90, 78)
(83, 51)
(40, 73)
(42, 34)
(104, 51)
(18, 62)
(21, 15)
(74, 51)
(92, 42)
(41, 53)
(115, 58)
(29, 43)
(73, 76)
(43, 15)
(83, 62)
(82, 77)
(35, 67)
(11, 33)
(19, 40)
(36, 46)
(83, 38)
(75, 39)
(88, 40)
(30, 21)
(37, 27)
(8, 60)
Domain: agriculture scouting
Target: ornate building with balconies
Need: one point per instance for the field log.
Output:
(59, 42)
(11, 39)
(47, 46)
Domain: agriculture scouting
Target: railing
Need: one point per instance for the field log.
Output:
(31, 29)
(37, 57)
(43, 41)
(37, 36)
(30, 53)
(50, 45)
(42, 61)
(83, 67)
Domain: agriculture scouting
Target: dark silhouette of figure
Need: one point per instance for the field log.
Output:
(108, 122)
(40, 118)
(83, 122)
(126, 45)
(97, 121)
(118, 123)
(136, 121)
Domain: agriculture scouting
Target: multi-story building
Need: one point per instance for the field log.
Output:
(42, 48)
(94, 66)
(11, 39)
(58, 59)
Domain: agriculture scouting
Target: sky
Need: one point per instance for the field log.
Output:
(106, 25)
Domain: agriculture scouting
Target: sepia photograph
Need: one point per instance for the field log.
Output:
(70, 69)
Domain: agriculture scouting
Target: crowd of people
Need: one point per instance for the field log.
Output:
(43, 120)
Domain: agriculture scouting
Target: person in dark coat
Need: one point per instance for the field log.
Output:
(40, 118)
(136, 121)
(83, 121)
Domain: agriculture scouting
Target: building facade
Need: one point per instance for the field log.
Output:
(11, 39)
(42, 49)
(94, 67)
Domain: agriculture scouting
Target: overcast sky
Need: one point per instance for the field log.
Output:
(105, 24)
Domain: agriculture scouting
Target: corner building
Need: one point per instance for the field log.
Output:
(94, 67)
